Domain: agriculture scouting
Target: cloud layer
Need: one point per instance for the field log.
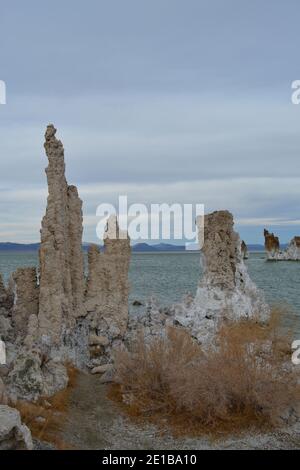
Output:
(165, 101)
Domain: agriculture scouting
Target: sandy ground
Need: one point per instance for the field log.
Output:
(94, 422)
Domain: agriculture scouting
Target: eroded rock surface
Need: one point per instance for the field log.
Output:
(273, 252)
(61, 260)
(244, 249)
(6, 304)
(225, 291)
(107, 289)
(13, 434)
(272, 245)
(48, 318)
(46, 323)
(26, 300)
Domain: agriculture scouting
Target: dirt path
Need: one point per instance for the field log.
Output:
(94, 422)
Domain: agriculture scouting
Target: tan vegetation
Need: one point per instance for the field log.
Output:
(47, 416)
(245, 379)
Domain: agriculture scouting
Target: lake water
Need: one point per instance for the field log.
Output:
(168, 276)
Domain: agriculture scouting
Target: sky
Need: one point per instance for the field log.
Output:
(165, 101)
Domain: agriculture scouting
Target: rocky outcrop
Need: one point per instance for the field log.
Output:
(107, 289)
(62, 284)
(49, 320)
(6, 304)
(273, 252)
(272, 245)
(26, 300)
(292, 252)
(244, 249)
(6, 296)
(13, 434)
(225, 291)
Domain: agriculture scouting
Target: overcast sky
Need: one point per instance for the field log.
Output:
(162, 100)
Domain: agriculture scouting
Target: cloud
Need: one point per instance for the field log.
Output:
(158, 100)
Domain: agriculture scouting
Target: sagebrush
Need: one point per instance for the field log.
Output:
(244, 379)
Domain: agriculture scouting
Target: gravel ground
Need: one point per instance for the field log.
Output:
(94, 422)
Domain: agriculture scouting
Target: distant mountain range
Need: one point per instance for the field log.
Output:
(138, 248)
(21, 247)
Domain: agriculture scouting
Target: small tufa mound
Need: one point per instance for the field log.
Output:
(273, 252)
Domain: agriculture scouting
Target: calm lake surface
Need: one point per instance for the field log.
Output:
(168, 276)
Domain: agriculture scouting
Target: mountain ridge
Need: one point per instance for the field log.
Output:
(137, 248)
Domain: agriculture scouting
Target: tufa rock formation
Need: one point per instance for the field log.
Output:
(272, 244)
(26, 300)
(48, 319)
(62, 283)
(273, 252)
(244, 249)
(6, 304)
(63, 318)
(225, 291)
(107, 289)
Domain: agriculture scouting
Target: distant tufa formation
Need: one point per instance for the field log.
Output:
(57, 316)
(273, 252)
(244, 249)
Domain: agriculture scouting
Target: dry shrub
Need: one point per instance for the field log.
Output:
(242, 382)
(47, 416)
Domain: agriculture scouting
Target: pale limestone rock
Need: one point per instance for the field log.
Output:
(61, 260)
(26, 378)
(107, 286)
(225, 291)
(13, 434)
(26, 300)
(102, 369)
(151, 322)
(273, 252)
(292, 252)
(35, 375)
